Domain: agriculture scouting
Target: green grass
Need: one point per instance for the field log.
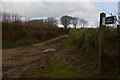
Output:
(21, 42)
(58, 69)
(81, 42)
(84, 42)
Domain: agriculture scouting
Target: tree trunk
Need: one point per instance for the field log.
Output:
(65, 26)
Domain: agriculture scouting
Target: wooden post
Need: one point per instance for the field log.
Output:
(118, 46)
(101, 27)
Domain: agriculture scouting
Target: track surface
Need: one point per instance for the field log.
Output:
(17, 61)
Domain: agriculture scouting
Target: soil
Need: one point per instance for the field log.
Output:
(17, 61)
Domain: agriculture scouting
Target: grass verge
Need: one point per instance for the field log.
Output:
(58, 69)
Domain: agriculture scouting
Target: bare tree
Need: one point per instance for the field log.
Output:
(83, 22)
(51, 21)
(65, 21)
(8, 17)
(36, 21)
(5, 17)
(16, 18)
(74, 21)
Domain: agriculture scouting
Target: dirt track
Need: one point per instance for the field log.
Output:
(17, 61)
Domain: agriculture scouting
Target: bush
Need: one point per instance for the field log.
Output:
(86, 41)
(15, 34)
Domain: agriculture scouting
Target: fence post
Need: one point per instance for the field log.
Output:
(101, 33)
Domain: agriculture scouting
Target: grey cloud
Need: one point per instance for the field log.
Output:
(51, 9)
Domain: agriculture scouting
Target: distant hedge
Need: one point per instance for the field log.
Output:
(17, 34)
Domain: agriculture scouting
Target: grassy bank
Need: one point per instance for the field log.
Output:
(84, 43)
(17, 34)
(58, 69)
(86, 40)
(80, 58)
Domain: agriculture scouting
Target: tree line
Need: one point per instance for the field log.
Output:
(8, 17)
(68, 20)
(64, 20)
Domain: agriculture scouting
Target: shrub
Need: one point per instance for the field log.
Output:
(86, 41)
(22, 34)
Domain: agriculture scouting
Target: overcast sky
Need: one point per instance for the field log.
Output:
(89, 9)
(51, 9)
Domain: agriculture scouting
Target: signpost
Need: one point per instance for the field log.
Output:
(106, 62)
(110, 20)
(101, 35)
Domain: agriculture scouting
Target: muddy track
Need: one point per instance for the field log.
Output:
(17, 61)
